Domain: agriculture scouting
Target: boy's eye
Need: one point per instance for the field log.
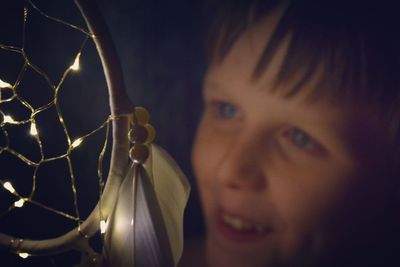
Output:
(300, 139)
(225, 110)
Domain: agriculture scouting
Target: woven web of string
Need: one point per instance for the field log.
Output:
(9, 92)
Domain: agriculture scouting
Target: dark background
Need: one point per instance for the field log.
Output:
(160, 45)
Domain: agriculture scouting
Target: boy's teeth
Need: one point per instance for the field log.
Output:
(241, 225)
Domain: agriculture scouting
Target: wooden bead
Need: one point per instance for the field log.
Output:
(142, 115)
(138, 134)
(139, 153)
(151, 133)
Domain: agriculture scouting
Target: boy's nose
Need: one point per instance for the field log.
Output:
(241, 166)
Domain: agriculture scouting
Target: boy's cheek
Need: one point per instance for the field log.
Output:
(203, 159)
(207, 151)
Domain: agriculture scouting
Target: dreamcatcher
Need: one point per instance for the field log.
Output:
(140, 210)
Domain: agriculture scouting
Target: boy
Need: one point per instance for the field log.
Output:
(295, 155)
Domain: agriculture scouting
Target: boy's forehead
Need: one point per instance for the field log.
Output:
(242, 59)
(265, 27)
(309, 82)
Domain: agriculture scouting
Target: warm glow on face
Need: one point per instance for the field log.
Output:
(4, 84)
(77, 142)
(75, 66)
(19, 203)
(9, 187)
(33, 130)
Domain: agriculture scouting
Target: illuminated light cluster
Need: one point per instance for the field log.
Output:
(34, 131)
(10, 188)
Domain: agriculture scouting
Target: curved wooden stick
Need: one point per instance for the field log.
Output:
(119, 105)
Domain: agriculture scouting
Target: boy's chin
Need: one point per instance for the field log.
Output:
(217, 256)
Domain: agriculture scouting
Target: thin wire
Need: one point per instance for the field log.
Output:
(57, 19)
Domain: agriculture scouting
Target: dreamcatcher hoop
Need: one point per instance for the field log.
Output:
(121, 111)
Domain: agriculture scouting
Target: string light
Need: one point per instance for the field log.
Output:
(75, 66)
(103, 226)
(8, 119)
(23, 255)
(33, 131)
(4, 84)
(77, 143)
(20, 203)
(9, 187)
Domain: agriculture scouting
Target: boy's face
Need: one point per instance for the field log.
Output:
(282, 180)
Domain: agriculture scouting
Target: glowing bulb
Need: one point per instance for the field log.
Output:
(103, 226)
(8, 186)
(33, 130)
(4, 84)
(76, 143)
(19, 203)
(8, 119)
(23, 255)
(75, 66)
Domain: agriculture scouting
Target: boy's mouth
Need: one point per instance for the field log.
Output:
(238, 229)
(242, 225)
